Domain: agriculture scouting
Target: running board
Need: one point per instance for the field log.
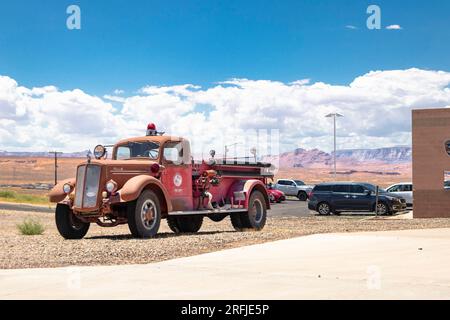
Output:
(203, 212)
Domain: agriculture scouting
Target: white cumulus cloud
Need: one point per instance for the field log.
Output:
(376, 108)
(394, 27)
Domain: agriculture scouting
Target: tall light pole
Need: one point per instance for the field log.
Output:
(334, 116)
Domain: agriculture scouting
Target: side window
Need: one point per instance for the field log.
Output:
(173, 153)
(290, 183)
(281, 182)
(357, 189)
(123, 153)
(322, 188)
(408, 187)
(394, 189)
(341, 188)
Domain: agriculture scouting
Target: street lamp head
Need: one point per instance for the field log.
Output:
(331, 115)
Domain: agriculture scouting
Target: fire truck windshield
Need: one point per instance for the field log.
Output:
(139, 150)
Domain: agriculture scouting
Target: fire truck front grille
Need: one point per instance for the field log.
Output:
(87, 187)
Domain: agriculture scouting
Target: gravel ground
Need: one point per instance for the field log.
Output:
(108, 246)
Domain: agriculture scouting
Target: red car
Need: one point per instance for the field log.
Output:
(275, 195)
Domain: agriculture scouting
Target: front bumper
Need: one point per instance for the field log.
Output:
(399, 206)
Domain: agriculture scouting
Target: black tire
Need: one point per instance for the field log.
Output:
(255, 218)
(324, 209)
(217, 217)
(302, 196)
(185, 224)
(68, 225)
(144, 216)
(383, 209)
(236, 221)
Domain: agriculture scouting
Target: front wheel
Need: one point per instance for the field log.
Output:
(256, 216)
(302, 196)
(382, 209)
(68, 225)
(324, 209)
(144, 217)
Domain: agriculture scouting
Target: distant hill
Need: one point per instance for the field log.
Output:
(302, 158)
(388, 155)
(42, 154)
(299, 158)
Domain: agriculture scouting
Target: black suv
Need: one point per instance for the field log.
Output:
(335, 197)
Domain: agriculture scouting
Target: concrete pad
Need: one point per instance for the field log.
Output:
(377, 265)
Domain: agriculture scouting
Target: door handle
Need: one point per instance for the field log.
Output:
(347, 196)
(354, 197)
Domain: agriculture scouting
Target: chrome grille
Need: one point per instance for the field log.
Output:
(87, 187)
(91, 186)
(79, 186)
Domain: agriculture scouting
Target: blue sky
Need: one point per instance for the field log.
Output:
(130, 44)
(171, 59)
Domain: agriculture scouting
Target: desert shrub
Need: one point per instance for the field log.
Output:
(31, 227)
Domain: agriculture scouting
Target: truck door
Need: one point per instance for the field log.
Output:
(281, 185)
(291, 188)
(177, 175)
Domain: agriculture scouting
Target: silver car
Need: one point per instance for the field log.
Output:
(296, 188)
(404, 190)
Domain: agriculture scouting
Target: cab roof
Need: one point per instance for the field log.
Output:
(159, 139)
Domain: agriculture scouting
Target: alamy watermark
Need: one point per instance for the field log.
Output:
(73, 21)
(374, 20)
(373, 278)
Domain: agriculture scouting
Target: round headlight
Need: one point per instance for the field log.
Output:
(67, 188)
(99, 151)
(111, 186)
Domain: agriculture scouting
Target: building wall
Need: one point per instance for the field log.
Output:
(430, 131)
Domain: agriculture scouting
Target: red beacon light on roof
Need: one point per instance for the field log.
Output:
(151, 130)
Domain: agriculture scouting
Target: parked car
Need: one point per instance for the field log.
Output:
(404, 190)
(275, 195)
(296, 188)
(327, 198)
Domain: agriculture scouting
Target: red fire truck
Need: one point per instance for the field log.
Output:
(154, 177)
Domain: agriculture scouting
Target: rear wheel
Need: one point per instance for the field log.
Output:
(144, 217)
(68, 225)
(302, 196)
(323, 208)
(382, 209)
(256, 216)
(185, 224)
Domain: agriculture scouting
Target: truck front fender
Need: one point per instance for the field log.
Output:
(133, 188)
(57, 193)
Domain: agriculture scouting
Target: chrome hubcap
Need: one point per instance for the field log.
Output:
(148, 214)
(381, 208)
(323, 209)
(257, 211)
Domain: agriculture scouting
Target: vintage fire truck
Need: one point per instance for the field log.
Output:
(150, 178)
